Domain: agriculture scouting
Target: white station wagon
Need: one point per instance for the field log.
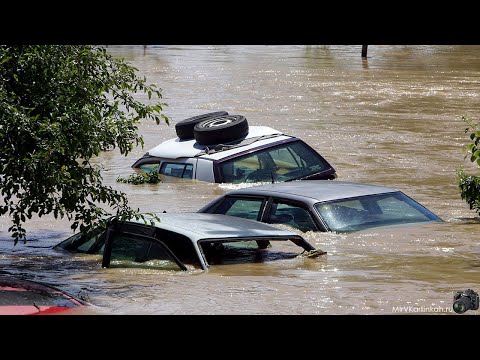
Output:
(224, 149)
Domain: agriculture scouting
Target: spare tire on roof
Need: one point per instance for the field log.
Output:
(185, 127)
(221, 129)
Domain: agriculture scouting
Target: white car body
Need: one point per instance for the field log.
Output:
(188, 159)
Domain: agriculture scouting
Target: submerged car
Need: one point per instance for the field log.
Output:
(224, 149)
(26, 297)
(318, 205)
(176, 241)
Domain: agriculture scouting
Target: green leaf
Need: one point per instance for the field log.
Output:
(69, 103)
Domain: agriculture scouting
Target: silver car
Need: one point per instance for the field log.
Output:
(188, 239)
(318, 205)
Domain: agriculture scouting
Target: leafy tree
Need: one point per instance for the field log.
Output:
(60, 106)
(470, 184)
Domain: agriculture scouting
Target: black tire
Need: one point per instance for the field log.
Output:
(185, 127)
(221, 130)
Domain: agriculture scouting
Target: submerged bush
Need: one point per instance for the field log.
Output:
(151, 177)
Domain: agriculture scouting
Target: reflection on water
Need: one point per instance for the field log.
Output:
(393, 119)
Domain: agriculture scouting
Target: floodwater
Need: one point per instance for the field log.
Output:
(393, 119)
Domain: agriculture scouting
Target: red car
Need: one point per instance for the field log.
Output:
(24, 297)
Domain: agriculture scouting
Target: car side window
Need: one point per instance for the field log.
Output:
(241, 170)
(248, 208)
(149, 167)
(85, 247)
(131, 251)
(180, 245)
(184, 171)
(291, 215)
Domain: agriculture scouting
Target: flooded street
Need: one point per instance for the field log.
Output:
(393, 119)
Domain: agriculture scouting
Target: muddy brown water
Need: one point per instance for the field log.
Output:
(393, 119)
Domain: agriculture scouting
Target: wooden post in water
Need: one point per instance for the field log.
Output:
(364, 51)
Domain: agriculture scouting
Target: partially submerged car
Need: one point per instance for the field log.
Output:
(318, 205)
(26, 297)
(177, 241)
(224, 149)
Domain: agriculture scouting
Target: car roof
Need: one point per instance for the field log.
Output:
(313, 191)
(178, 148)
(198, 226)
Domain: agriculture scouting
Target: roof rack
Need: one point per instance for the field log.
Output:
(234, 144)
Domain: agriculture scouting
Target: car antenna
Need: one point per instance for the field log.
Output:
(271, 173)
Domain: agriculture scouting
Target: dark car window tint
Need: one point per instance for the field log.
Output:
(88, 244)
(99, 245)
(294, 216)
(280, 163)
(240, 207)
(177, 170)
(82, 242)
(128, 249)
(188, 173)
(180, 245)
(72, 242)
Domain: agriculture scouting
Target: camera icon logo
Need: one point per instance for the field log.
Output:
(465, 300)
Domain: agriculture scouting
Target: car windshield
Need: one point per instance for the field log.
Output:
(284, 162)
(372, 211)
